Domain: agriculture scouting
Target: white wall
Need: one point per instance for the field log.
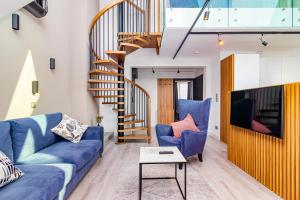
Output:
(24, 57)
(246, 71)
(279, 68)
(9, 6)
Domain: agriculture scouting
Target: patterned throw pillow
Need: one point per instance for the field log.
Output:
(8, 172)
(70, 129)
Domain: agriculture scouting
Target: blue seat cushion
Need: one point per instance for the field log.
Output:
(78, 154)
(170, 141)
(42, 182)
(30, 135)
(5, 140)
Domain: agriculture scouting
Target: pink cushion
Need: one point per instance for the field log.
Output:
(187, 124)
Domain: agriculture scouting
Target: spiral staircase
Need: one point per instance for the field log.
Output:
(119, 29)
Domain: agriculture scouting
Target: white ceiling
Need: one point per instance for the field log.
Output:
(207, 45)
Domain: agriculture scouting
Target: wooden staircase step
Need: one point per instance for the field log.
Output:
(127, 116)
(135, 137)
(104, 81)
(117, 56)
(133, 129)
(106, 89)
(112, 103)
(108, 96)
(108, 63)
(131, 122)
(98, 71)
(136, 40)
(129, 47)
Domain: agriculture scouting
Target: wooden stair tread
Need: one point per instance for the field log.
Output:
(106, 89)
(136, 39)
(135, 137)
(127, 116)
(108, 63)
(134, 129)
(129, 47)
(117, 55)
(104, 81)
(131, 122)
(99, 71)
(118, 103)
(109, 96)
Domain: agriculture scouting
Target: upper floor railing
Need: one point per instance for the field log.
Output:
(236, 13)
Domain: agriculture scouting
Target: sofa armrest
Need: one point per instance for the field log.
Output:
(94, 133)
(192, 142)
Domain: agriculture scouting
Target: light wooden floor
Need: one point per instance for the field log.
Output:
(225, 179)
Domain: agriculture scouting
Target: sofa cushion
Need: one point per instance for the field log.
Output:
(5, 140)
(78, 154)
(30, 135)
(42, 182)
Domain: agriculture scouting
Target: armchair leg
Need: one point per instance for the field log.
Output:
(180, 166)
(200, 157)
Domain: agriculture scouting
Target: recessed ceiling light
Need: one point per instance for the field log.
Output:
(196, 52)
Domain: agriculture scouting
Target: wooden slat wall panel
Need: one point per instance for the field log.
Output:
(273, 162)
(227, 85)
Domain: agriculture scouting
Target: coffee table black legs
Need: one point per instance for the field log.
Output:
(141, 179)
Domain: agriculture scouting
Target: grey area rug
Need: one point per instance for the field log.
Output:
(127, 187)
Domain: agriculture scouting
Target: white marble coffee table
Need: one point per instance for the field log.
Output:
(150, 155)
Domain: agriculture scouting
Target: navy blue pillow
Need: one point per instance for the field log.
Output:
(5, 140)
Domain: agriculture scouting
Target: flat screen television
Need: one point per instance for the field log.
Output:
(260, 110)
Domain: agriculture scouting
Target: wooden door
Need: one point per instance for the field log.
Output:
(227, 85)
(165, 110)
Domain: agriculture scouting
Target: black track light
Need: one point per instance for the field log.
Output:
(153, 71)
(178, 71)
(220, 41)
(206, 15)
(263, 42)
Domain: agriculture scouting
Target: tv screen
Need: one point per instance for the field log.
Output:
(260, 110)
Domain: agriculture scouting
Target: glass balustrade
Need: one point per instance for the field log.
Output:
(242, 13)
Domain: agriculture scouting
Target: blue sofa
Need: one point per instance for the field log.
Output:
(52, 166)
(191, 143)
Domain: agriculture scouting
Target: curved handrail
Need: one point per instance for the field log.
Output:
(102, 11)
(148, 105)
(98, 17)
(138, 86)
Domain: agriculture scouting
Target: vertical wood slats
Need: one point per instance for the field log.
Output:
(227, 85)
(273, 162)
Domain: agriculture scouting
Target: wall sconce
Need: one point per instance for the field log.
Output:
(52, 63)
(35, 87)
(15, 22)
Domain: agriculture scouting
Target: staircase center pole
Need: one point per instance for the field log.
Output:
(121, 114)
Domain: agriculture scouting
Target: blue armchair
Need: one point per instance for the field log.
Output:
(191, 143)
